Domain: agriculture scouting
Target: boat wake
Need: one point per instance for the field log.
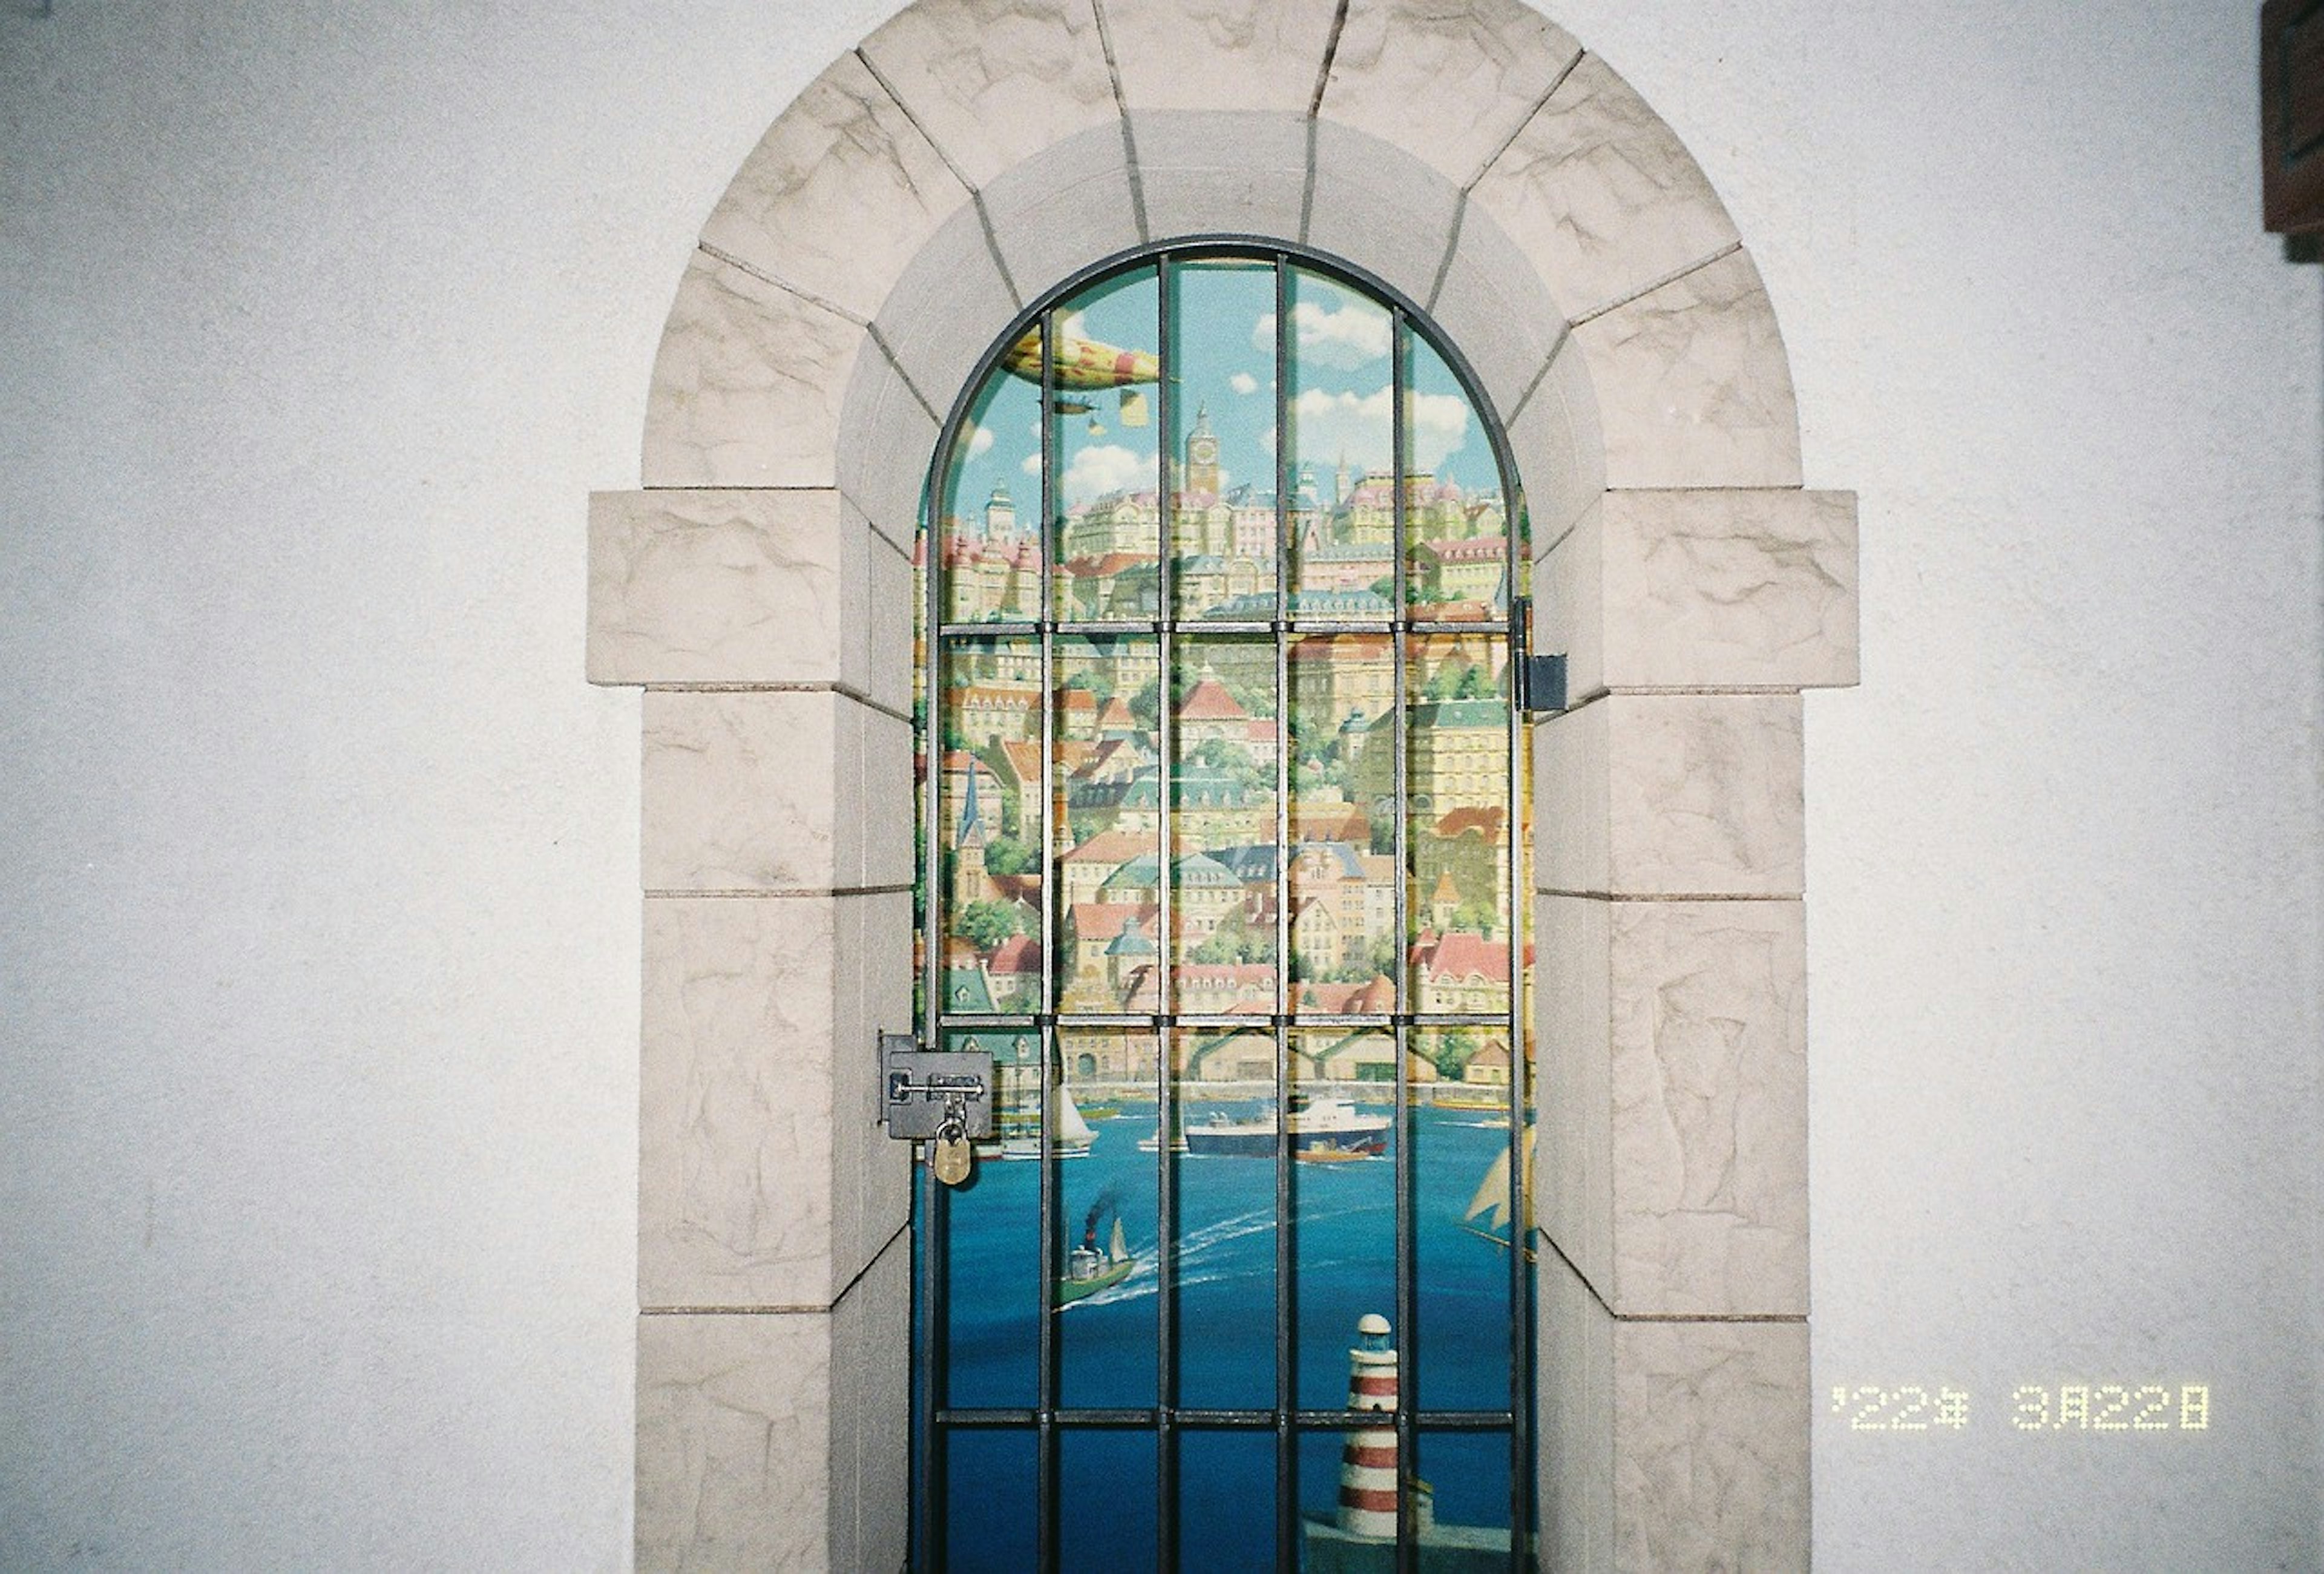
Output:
(1213, 1253)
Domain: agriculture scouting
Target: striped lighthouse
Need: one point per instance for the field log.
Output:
(1368, 1462)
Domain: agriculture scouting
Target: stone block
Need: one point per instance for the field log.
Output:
(949, 306)
(733, 1426)
(843, 147)
(1220, 54)
(769, 791)
(1692, 386)
(1573, 946)
(1671, 795)
(719, 586)
(1710, 1109)
(1735, 589)
(747, 384)
(995, 81)
(1222, 172)
(1377, 206)
(1449, 84)
(1711, 1445)
(1569, 611)
(889, 625)
(1559, 447)
(1064, 208)
(1600, 194)
(871, 1197)
(779, 1440)
(882, 424)
(757, 1081)
(1669, 1444)
(871, 1486)
(1674, 1047)
(1574, 1399)
(1494, 306)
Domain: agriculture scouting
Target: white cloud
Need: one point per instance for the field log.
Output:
(1344, 338)
(1103, 468)
(1330, 425)
(1357, 425)
(1440, 428)
(980, 442)
(1243, 382)
(1031, 463)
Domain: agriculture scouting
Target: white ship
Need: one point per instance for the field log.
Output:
(1324, 1124)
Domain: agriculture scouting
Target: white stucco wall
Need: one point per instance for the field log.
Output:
(319, 967)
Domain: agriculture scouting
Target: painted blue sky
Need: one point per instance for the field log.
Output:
(1223, 364)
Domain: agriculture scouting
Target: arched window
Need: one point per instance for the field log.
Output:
(1224, 858)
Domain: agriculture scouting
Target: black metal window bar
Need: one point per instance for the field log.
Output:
(1285, 1423)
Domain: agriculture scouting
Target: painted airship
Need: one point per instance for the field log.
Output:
(1086, 365)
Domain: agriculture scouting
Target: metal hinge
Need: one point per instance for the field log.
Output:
(1541, 679)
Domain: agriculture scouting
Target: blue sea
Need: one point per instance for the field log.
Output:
(1342, 1248)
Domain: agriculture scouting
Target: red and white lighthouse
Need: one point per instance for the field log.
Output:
(1368, 1462)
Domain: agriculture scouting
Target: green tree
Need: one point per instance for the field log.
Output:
(1145, 704)
(1007, 855)
(985, 925)
(1476, 917)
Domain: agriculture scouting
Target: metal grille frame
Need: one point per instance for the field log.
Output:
(1285, 1420)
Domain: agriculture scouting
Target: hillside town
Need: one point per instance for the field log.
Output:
(1328, 885)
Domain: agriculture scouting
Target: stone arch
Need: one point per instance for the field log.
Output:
(966, 157)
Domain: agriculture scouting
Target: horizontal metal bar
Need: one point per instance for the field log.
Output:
(1249, 1420)
(1256, 1021)
(1029, 631)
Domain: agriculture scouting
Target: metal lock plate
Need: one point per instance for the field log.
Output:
(921, 1088)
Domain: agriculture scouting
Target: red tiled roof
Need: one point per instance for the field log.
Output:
(1463, 956)
(1485, 822)
(1208, 701)
(1104, 920)
(1112, 848)
(1020, 953)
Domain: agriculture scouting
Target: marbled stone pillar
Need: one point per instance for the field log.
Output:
(771, 631)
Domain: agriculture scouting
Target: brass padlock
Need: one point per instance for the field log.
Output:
(953, 1157)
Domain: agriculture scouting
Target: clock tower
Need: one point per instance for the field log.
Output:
(1203, 455)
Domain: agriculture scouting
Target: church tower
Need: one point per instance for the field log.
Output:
(971, 882)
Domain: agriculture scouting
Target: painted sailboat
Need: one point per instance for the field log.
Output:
(1074, 1133)
(1492, 1203)
(1089, 1270)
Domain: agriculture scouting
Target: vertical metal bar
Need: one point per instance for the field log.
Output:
(1407, 1331)
(1046, 1396)
(1520, 900)
(1165, 1169)
(928, 1311)
(929, 1236)
(1286, 1507)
